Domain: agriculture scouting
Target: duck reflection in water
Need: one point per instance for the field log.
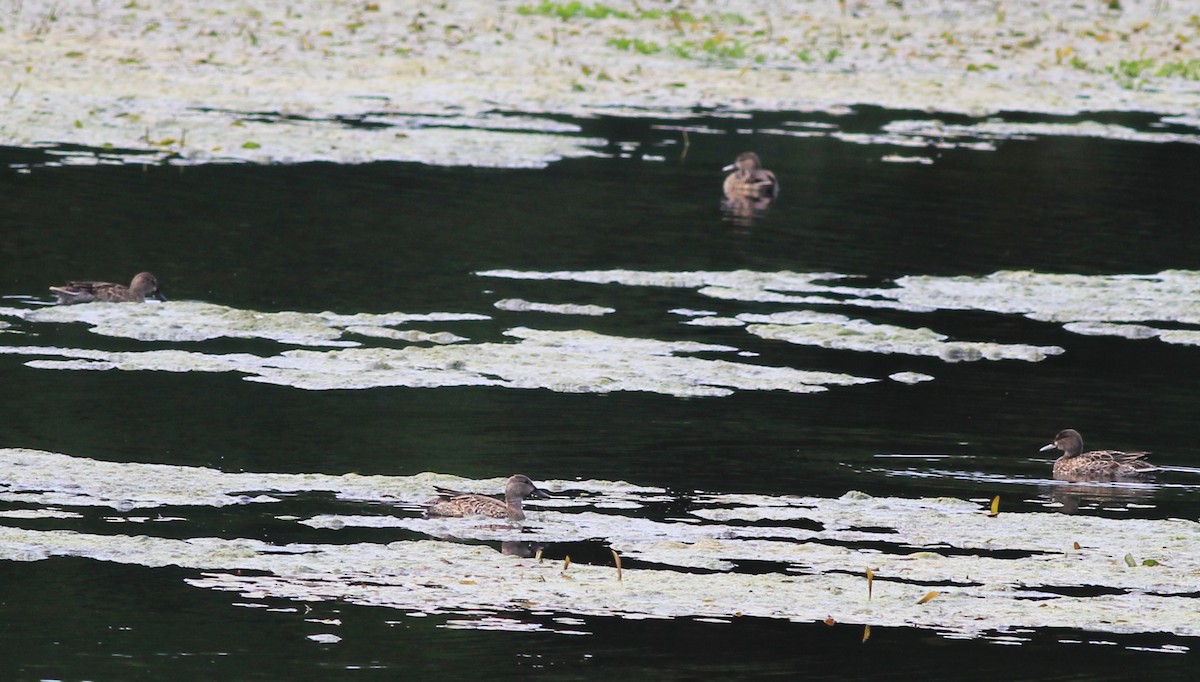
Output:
(457, 503)
(1090, 495)
(749, 189)
(524, 550)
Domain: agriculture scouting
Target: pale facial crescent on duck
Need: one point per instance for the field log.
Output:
(144, 284)
(1097, 465)
(749, 180)
(458, 503)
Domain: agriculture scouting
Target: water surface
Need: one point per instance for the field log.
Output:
(384, 238)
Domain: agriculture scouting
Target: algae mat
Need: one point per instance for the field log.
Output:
(994, 575)
(406, 81)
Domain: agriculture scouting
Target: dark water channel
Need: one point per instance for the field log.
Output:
(406, 237)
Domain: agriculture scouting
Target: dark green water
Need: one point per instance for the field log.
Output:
(387, 237)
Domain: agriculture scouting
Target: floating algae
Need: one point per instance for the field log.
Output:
(349, 83)
(837, 331)
(48, 478)
(520, 305)
(197, 321)
(568, 362)
(924, 131)
(1162, 306)
(992, 574)
(1122, 305)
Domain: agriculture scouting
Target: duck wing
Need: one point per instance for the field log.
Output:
(1124, 462)
(83, 291)
(450, 494)
(1135, 460)
(87, 285)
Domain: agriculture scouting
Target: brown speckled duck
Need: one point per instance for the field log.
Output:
(1097, 465)
(144, 284)
(457, 503)
(749, 180)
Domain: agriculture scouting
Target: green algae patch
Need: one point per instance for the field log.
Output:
(928, 131)
(910, 377)
(1162, 306)
(828, 330)
(567, 362)
(48, 478)
(354, 82)
(521, 305)
(1131, 306)
(992, 574)
(197, 321)
(1128, 306)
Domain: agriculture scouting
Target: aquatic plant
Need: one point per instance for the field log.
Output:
(576, 9)
(1129, 72)
(636, 44)
(573, 9)
(719, 46)
(1025, 585)
(1185, 68)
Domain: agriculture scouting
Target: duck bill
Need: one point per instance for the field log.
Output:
(160, 296)
(542, 494)
(732, 166)
(1051, 446)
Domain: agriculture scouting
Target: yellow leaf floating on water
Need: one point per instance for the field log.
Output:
(616, 558)
(567, 563)
(866, 632)
(1078, 546)
(995, 507)
(829, 621)
(929, 597)
(538, 556)
(467, 581)
(870, 580)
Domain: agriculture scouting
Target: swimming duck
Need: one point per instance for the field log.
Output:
(457, 503)
(1097, 465)
(749, 180)
(144, 284)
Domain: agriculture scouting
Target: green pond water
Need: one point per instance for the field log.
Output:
(750, 410)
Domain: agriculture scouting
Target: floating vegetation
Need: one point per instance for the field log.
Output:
(828, 330)
(1126, 305)
(942, 566)
(1162, 306)
(636, 44)
(910, 377)
(520, 305)
(925, 131)
(55, 480)
(196, 321)
(243, 105)
(899, 158)
(566, 362)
